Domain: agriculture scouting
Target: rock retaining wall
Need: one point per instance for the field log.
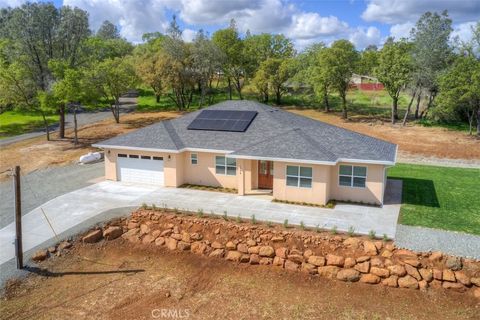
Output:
(340, 257)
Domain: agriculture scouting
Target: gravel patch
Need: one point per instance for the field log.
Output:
(426, 239)
(41, 186)
(441, 162)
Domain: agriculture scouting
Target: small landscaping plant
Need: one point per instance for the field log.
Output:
(372, 234)
(239, 219)
(225, 216)
(154, 207)
(200, 213)
(351, 231)
(317, 228)
(254, 220)
(385, 237)
(269, 224)
(302, 225)
(334, 230)
(285, 223)
(144, 206)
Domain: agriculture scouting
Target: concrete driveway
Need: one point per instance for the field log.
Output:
(76, 208)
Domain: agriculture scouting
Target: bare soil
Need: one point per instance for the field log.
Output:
(412, 140)
(119, 280)
(38, 153)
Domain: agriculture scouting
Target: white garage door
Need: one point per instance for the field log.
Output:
(144, 169)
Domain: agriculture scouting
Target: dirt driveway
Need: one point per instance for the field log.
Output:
(117, 280)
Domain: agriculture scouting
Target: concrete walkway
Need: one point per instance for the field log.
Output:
(73, 209)
(427, 239)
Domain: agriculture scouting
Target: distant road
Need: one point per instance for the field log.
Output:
(84, 118)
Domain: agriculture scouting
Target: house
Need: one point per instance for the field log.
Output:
(365, 83)
(249, 146)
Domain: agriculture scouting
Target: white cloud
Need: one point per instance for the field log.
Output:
(214, 11)
(362, 37)
(134, 17)
(463, 31)
(311, 25)
(11, 3)
(188, 35)
(399, 11)
(401, 30)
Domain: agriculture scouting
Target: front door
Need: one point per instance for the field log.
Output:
(265, 174)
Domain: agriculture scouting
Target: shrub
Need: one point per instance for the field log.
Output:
(254, 221)
(144, 206)
(154, 207)
(269, 224)
(385, 237)
(334, 230)
(371, 234)
(317, 228)
(200, 213)
(225, 216)
(351, 231)
(239, 219)
(285, 223)
(302, 225)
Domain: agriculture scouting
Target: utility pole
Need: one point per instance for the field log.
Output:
(18, 218)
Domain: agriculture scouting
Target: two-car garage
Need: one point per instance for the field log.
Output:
(141, 169)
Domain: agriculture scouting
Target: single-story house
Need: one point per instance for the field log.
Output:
(248, 146)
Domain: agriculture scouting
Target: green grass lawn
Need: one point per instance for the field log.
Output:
(13, 123)
(439, 197)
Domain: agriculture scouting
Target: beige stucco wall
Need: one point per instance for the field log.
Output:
(373, 191)
(317, 194)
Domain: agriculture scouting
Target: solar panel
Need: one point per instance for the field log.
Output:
(223, 120)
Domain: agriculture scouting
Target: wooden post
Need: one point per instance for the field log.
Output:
(18, 219)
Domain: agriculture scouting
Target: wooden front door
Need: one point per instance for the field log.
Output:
(265, 174)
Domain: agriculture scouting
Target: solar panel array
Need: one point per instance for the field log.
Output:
(223, 120)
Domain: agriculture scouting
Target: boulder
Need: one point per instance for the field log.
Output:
(370, 248)
(381, 272)
(448, 275)
(64, 245)
(298, 259)
(144, 229)
(427, 274)
(333, 260)
(423, 285)
(349, 262)
(290, 265)
(132, 225)
(309, 268)
(397, 270)
(363, 259)
(183, 246)
(316, 261)
(233, 256)
(476, 293)
(391, 281)
(412, 262)
(156, 234)
(147, 239)
(377, 262)
(308, 253)
(454, 263)
(254, 259)
(171, 243)
(435, 256)
(93, 236)
(231, 246)
(254, 250)
(475, 281)
(463, 278)
(166, 233)
(217, 245)
(52, 249)
(186, 237)
(217, 253)
(266, 251)
(196, 236)
(350, 275)
(265, 261)
(40, 255)
(277, 261)
(160, 241)
(437, 274)
(242, 247)
(454, 286)
(370, 278)
(408, 282)
(412, 271)
(363, 267)
(277, 239)
(245, 258)
(387, 254)
(281, 252)
(198, 247)
(328, 271)
(354, 243)
(176, 236)
(251, 243)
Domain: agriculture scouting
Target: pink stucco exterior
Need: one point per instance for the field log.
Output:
(179, 170)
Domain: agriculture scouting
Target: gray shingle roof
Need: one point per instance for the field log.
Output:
(274, 133)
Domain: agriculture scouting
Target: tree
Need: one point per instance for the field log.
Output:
(149, 68)
(108, 31)
(368, 61)
(431, 52)
(394, 71)
(276, 71)
(113, 78)
(260, 81)
(340, 61)
(229, 41)
(459, 91)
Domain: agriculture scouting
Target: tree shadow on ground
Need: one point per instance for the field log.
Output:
(47, 273)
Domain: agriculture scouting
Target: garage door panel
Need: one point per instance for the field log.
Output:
(140, 171)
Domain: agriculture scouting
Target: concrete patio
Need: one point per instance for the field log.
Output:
(73, 209)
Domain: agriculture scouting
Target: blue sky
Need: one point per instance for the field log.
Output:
(363, 22)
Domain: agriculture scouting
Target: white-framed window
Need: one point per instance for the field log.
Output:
(300, 177)
(352, 176)
(193, 158)
(225, 166)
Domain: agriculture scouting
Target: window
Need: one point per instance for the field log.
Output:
(193, 158)
(122, 155)
(352, 176)
(226, 166)
(158, 158)
(300, 177)
(146, 157)
(133, 156)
